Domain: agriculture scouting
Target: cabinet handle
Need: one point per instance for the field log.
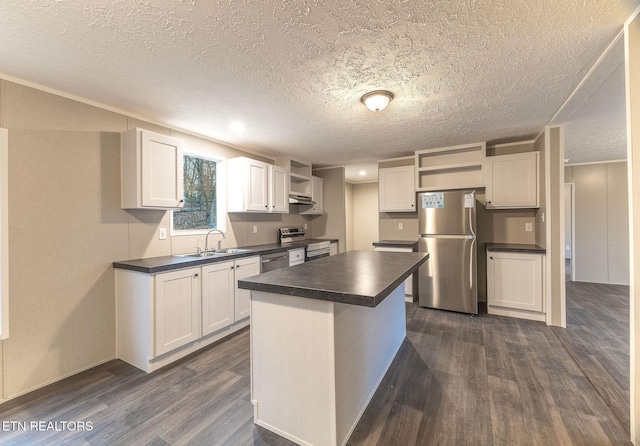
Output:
(491, 258)
(233, 267)
(195, 275)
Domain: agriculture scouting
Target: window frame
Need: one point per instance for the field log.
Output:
(221, 196)
(4, 234)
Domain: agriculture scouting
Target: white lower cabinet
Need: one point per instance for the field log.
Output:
(217, 296)
(161, 318)
(515, 284)
(246, 267)
(177, 305)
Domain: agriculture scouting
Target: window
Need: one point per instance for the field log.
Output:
(203, 196)
(4, 236)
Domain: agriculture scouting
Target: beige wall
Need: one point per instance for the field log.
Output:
(389, 226)
(365, 216)
(632, 49)
(349, 216)
(601, 222)
(332, 224)
(67, 227)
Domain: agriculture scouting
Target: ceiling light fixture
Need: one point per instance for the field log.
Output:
(377, 100)
(362, 173)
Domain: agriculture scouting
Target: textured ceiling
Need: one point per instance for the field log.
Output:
(595, 115)
(294, 71)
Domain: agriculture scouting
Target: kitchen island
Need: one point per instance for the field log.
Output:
(323, 335)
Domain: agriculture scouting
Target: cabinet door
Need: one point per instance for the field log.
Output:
(317, 195)
(514, 280)
(244, 268)
(257, 186)
(217, 296)
(162, 171)
(397, 192)
(278, 189)
(177, 309)
(512, 181)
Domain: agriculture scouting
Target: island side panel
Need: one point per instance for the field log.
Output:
(367, 340)
(292, 367)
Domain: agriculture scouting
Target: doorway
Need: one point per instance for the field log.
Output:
(569, 240)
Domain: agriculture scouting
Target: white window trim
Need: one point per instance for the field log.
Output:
(4, 234)
(221, 183)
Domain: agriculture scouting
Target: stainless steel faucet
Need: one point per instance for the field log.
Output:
(206, 240)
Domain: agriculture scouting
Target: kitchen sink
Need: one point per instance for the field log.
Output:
(233, 251)
(213, 254)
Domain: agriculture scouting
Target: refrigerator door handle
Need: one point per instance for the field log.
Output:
(472, 220)
(467, 236)
(472, 271)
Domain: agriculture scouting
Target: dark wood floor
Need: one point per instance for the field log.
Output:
(597, 337)
(457, 380)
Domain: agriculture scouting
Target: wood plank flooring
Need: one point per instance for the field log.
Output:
(597, 338)
(457, 380)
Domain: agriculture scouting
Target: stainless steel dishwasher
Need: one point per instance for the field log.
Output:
(271, 262)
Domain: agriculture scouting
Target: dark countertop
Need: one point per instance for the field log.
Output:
(362, 278)
(396, 243)
(515, 247)
(154, 265)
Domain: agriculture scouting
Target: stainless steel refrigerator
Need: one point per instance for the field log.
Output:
(447, 226)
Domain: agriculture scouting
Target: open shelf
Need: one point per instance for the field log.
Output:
(453, 167)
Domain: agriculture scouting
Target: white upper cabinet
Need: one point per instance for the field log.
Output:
(247, 185)
(317, 195)
(152, 170)
(512, 181)
(254, 186)
(278, 189)
(397, 190)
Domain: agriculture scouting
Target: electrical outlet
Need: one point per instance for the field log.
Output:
(528, 227)
(162, 233)
(305, 226)
(255, 229)
(400, 226)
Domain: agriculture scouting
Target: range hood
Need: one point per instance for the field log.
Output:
(300, 199)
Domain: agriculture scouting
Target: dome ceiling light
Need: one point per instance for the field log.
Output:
(377, 100)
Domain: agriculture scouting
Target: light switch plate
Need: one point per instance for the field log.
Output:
(255, 229)
(162, 233)
(400, 226)
(528, 227)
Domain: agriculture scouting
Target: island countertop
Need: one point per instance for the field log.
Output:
(362, 278)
